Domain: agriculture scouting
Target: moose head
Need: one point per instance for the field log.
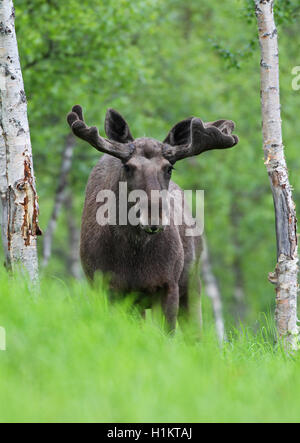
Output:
(148, 163)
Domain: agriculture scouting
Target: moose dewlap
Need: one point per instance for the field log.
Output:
(154, 260)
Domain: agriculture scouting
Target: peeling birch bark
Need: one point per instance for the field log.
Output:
(285, 276)
(212, 290)
(60, 196)
(17, 183)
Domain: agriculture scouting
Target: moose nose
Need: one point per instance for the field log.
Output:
(152, 229)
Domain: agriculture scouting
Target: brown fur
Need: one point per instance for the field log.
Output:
(135, 260)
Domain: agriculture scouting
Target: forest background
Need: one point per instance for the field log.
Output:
(156, 62)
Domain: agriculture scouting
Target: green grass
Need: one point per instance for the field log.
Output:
(71, 356)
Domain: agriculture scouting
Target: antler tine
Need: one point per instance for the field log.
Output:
(204, 137)
(91, 135)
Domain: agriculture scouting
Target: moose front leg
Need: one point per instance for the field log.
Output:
(170, 305)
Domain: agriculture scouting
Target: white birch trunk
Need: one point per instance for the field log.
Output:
(74, 238)
(286, 271)
(212, 290)
(17, 183)
(59, 197)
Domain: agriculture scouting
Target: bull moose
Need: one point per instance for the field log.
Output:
(152, 260)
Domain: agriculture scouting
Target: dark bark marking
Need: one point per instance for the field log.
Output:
(285, 218)
(23, 97)
(4, 30)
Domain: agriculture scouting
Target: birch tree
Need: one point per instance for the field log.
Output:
(286, 270)
(60, 196)
(73, 262)
(18, 194)
(212, 290)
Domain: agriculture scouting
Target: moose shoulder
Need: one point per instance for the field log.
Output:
(147, 258)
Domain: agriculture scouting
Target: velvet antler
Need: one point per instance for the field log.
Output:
(91, 135)
(192, 137)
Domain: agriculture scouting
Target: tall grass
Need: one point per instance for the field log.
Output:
(72, 356)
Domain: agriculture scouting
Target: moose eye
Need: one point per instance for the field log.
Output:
(128, 168)
(169, 170)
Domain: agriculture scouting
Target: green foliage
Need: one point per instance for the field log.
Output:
(71, 356)
(158, 62)
(286, 11)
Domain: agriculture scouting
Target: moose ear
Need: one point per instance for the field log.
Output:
(180, 133)
(116, 127)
